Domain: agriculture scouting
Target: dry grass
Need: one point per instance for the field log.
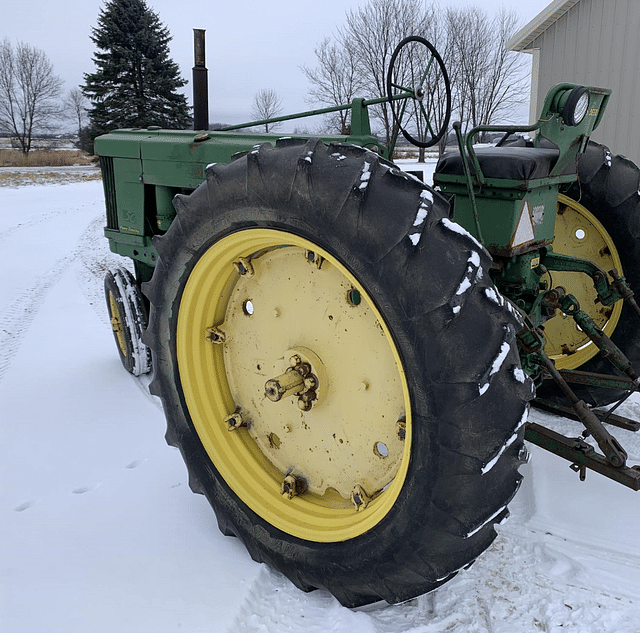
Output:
(43, 158)
(25, 178)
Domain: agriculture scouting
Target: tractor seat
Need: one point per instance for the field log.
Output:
(508, 162)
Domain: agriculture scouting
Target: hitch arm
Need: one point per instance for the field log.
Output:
(581, 455)
(613, 451)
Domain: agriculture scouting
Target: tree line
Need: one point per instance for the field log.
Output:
(136, 84)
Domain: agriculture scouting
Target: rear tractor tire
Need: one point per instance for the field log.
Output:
(128, 317)
(598, 220)
(337, 370)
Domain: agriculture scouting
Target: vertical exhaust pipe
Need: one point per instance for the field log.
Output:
(200, 83)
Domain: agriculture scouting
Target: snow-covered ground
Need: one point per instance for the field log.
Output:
(98, 529)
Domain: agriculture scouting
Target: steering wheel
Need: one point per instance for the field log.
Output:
(419, 92)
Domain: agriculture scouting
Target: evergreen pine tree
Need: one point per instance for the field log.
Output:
(135, 83)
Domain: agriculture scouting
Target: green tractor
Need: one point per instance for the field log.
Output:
(345, 355)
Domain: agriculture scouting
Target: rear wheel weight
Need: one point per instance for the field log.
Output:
(431, 429)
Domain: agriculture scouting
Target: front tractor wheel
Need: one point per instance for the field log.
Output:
(337, 370)
(128, 318)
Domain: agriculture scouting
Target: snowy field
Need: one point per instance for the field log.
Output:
(99, 532)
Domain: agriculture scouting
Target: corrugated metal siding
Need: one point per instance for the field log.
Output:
(597, 42)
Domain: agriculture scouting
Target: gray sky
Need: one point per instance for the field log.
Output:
(250, 45)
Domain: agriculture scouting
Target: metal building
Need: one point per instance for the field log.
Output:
(590, 42)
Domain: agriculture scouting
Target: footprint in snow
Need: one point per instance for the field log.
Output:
(24, 506)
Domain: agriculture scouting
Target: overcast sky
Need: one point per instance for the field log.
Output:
(250, 45)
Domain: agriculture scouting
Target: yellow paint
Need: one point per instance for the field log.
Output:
(116, 323)
(579, 234)
(341, 442)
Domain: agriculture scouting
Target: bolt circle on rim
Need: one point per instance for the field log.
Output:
(580, 234)
(335, 428)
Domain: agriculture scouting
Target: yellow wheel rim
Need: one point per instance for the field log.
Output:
(258, 304)
(116, 323)
(580, 234)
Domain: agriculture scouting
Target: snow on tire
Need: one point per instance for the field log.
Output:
(370, 485)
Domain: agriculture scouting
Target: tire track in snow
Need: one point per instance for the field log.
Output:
(55, 214)
(17, 318)
(96, 259)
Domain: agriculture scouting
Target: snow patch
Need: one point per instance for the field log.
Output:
(338, 156)
(492, 462)
(426, 194)
(496, 297)
(491, 518)
(421, 216)
(518, 374)
(607, 158)
(423, 209)
(492, 295)
(498, 361)
(472, 274)
(365, 176)
(456, 228)
(413, 177)
(473, 270)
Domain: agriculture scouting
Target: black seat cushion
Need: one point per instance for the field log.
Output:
(512, 163)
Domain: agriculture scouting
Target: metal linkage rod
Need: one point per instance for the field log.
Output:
(611, 448)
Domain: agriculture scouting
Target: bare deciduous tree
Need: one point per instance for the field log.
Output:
(372, 32)
(76, 105)
(490, 81)
(335, 81)
(28, 92)
(266, 104)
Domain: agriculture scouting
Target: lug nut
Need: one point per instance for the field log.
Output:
(215, 335)
(234, 421)
(244, 266)
(402, 429)
(292, 486)
(360, 498)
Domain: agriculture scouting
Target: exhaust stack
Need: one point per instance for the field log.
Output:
(200, 83)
